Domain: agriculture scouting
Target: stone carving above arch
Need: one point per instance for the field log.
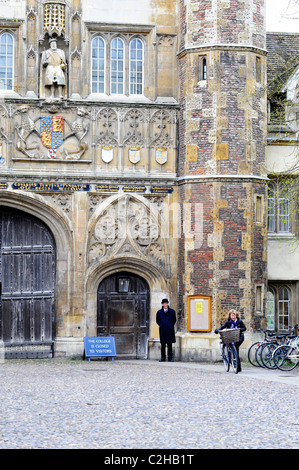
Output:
(47, 211)
(62, 201)
(127, 227)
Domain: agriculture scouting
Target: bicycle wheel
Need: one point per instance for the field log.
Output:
(251, 354)
(225, 357)
(267, 355)
(279, 354)
(234, 358)
(290, 360)
(258, 355)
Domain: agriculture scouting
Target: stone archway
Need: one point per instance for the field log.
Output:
(33, 206)
(27, 280)
(123, 312)
(126, 235)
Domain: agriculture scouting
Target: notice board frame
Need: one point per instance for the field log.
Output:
(199, 304)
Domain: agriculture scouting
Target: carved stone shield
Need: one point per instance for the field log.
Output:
(107, 154)
(134, 154)
(52, 131)
(161, 155)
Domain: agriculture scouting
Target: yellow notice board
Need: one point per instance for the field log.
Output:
(199, 313)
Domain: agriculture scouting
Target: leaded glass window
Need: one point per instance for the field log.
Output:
(136, 67)
(98, 65)
(117, 66)
(283, 308)
(6, 61)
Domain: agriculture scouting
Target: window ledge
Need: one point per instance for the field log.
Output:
(118, 98)
(166, 100)
(9, 94)
(280, 235)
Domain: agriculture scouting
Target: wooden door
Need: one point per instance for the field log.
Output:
(123, 312)
(27, 280)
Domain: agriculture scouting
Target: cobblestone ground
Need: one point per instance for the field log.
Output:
(65, 404)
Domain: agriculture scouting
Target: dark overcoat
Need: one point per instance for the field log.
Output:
(166, 322)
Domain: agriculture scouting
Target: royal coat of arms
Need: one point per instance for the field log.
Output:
(161, 155)
(52, 133)
(134, 154)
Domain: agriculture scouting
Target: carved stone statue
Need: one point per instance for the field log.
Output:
(79, 129)
(53, 60)
(25, 131)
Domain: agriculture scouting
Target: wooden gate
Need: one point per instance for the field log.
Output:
(123, 312)
(27, 280)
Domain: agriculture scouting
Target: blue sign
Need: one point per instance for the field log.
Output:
(99, 346)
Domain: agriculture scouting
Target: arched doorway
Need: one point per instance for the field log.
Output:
(123, 312)
(27, 285)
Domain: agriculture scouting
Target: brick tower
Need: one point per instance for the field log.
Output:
(222, 183)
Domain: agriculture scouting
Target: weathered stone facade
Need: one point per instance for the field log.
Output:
(163, 184)
(222, 155)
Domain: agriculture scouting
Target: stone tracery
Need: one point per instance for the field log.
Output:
(127, 226)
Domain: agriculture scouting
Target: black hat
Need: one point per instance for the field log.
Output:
(164, 301)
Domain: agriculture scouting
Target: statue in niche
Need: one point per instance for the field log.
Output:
(53, 59)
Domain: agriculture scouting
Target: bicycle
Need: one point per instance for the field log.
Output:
(286, 357)
(268, 350)
(264, 354)
(228, 349)
(268, 334)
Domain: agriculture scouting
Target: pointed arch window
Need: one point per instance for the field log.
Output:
(204, 68)
(117, 66)
(279, 315)
(98, 52)
(136, 67)
(6, 61)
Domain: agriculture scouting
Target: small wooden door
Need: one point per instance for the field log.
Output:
(27, 280)
(123, 312)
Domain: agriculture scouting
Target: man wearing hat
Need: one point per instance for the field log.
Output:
(166, 319)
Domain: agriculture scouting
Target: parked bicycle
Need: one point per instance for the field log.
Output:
(286, 357)
(268, 337)
(271, 352)
(264, 354)
(228, 349)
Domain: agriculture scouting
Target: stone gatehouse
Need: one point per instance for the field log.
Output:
(133, 143)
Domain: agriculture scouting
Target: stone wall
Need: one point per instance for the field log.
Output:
(222, 157)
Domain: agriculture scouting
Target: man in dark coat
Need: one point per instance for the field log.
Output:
(166, 320)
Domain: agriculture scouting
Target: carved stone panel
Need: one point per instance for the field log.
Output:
(127, 227)
(51, 133)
